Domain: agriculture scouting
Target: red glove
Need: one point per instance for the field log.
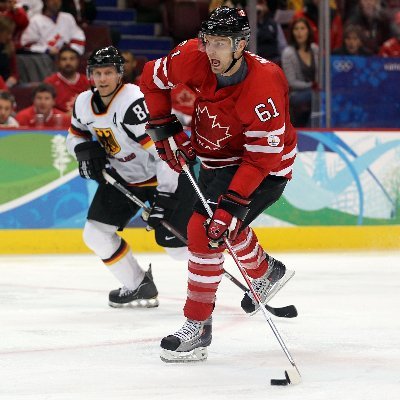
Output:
(169, 138)
(227, 218)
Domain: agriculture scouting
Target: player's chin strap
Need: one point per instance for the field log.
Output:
(294, 373)
(116, 88)
(233, 63)
(119, 84)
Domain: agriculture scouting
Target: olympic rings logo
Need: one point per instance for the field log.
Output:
(343, 65)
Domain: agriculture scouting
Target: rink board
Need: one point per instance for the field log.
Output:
(316, 238)
(344, 195)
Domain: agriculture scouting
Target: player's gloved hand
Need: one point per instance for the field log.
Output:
(169, 138)
(164, 203)
(92, 160)
(227, 218)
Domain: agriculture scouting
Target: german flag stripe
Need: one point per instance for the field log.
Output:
(146, 142)
(120, 253)
(79, 132)
(150, 182)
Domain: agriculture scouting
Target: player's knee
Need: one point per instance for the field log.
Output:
(100, 238)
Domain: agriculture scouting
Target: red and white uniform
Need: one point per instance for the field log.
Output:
(67, 91)
(247, 124)
(27, 118)
(390, 48)
(43, 33)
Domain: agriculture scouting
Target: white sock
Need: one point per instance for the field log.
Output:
(125, 268)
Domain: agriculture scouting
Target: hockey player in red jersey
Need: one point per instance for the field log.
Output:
(242, 134)
(108, 131)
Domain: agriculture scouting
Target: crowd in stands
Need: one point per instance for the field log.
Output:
(287, 34)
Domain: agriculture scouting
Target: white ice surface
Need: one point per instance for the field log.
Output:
(60, 340)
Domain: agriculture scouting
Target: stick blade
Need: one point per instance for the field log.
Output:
(282, 312)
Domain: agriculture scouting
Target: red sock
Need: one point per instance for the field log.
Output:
(251, 255)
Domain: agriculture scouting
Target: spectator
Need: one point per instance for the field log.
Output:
(374, 22)
(7, 105)
(353, 42)
(227, 3)
(68, 82)
(18, 15)
(43, 114)
(391, 48)
(32, 7)
(130, 73)
(3, 86)
(300, 62)
(50, 31)
(84, 11)
(270, 37)
(8, 64)
(311, 11)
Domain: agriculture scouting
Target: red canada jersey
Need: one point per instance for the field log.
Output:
(67, 91)
(27, 118)
(246, 124)
(390, 48)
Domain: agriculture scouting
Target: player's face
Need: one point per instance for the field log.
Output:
(68, 63)
(5, 110)
(300, 33)
(219, 52)
(43, 103)
(106, 79)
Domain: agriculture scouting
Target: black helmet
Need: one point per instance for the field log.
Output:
(104, 57)
(226, 21)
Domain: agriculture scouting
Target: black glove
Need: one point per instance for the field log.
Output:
(92, 160)
(164, 202)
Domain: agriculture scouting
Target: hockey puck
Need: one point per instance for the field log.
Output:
(279, 382)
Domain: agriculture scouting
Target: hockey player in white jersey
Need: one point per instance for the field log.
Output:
(108, 131)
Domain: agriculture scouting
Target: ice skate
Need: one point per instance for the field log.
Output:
(267, 286)
(145, 295)
(189, 343)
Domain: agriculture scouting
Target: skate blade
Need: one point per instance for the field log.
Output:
(276, 288)
(195, 355)
(141, 303)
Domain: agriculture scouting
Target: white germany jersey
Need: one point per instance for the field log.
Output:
(120, 129)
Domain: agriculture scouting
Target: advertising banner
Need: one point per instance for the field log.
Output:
(365, 92)
(340, 178)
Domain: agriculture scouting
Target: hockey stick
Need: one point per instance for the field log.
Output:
(292, 376)
(282, 312)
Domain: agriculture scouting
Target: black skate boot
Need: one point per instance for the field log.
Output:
(189, 343)
(145, 295)
(267, 286)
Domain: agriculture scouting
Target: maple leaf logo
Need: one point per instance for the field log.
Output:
(213, 134)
